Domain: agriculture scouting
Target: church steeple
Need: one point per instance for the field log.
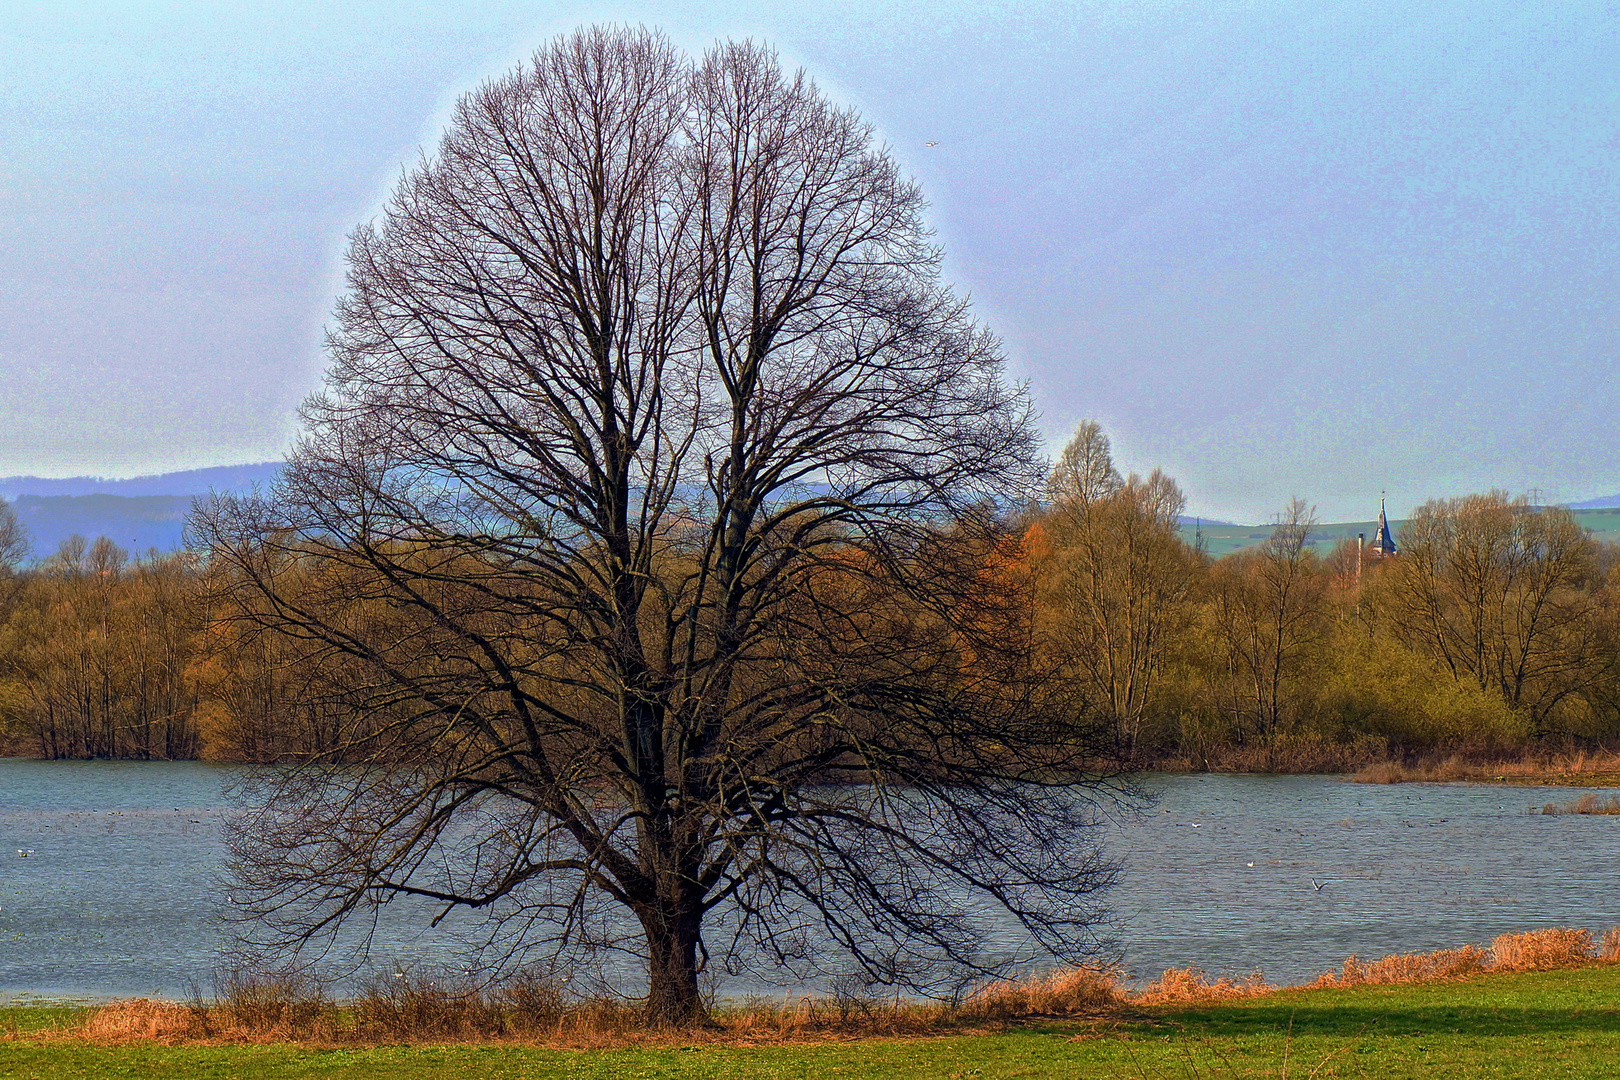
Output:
(1384, 540)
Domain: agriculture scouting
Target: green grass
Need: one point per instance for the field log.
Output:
(1558, 1024)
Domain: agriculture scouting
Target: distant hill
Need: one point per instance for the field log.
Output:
(137, 514)
(150, 511)
(1220, 538)
(190, 483)
(1223, 538)
(133, 522)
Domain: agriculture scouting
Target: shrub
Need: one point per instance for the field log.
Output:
(1542, 950)
(1179, 985)
(1409, 968)
(1077, 991)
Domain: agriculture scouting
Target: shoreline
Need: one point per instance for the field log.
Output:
(426, 1010)
(1594, 769)
(1496, 1025)
(1577, 768)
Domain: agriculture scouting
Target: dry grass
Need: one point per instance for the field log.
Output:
(409, 1009)
(1576, 767)
(1180, 986)
(1536, 950)
(141, 1020)
(1080, 991)
(1543, 950)
(1586, 804)
(1302, 755)
(1409, 968)
(413, 1009)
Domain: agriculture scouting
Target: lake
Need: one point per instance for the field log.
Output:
(118, 893)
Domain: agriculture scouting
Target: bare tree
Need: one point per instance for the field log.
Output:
(1085, 472)
(642, 509)
(1503, 594)
(13, 539)
(1268, 613)
(98, 652)
(13, 550)
(1118, 583)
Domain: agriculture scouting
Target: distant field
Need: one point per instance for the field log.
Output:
(1550, 1024)
(1223, 539)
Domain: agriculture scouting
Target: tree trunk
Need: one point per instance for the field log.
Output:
(673, 999)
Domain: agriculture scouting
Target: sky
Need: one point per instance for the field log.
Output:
(1277, 249)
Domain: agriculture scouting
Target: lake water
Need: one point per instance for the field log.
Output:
(118, 892)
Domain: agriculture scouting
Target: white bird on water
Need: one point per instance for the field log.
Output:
(23, 853)
(1318, 887)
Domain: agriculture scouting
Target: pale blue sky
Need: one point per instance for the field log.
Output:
(1277, 248)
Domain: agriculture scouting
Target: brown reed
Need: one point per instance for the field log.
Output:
(1179, 986)
(1532, 768)
(410, 1008)
(1586, 804)
(1088, 990)
(1543, 950)
(1300, 755)
(1441, 965)
(142, 1020)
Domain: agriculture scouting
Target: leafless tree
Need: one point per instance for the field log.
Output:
(1268, 614)
(13, 550)
(1504, 594)
(13, 539)
(1118, 582)
(642, 509)
(98, 652)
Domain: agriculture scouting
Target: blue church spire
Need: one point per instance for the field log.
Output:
(1384, 540)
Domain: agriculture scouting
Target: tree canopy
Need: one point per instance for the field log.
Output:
(640, 529)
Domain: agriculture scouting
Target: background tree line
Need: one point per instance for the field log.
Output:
(1496, 628)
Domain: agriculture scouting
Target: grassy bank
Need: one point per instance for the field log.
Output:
(1547, 1024)
(1545, 1004)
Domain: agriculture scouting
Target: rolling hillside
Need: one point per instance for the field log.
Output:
(139, 514)
(1222, 538)
(149, 512)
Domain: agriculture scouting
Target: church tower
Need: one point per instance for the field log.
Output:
(1384, 540)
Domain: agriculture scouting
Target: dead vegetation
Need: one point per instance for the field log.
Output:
(1436, 966)
(408, 1009)
(1297, 755)
(1586, 804)
(1574, 767)
(412, 1009)
(1553, 949)
(1180, 986)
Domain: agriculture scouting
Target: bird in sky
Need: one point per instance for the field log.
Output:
(935, 143)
